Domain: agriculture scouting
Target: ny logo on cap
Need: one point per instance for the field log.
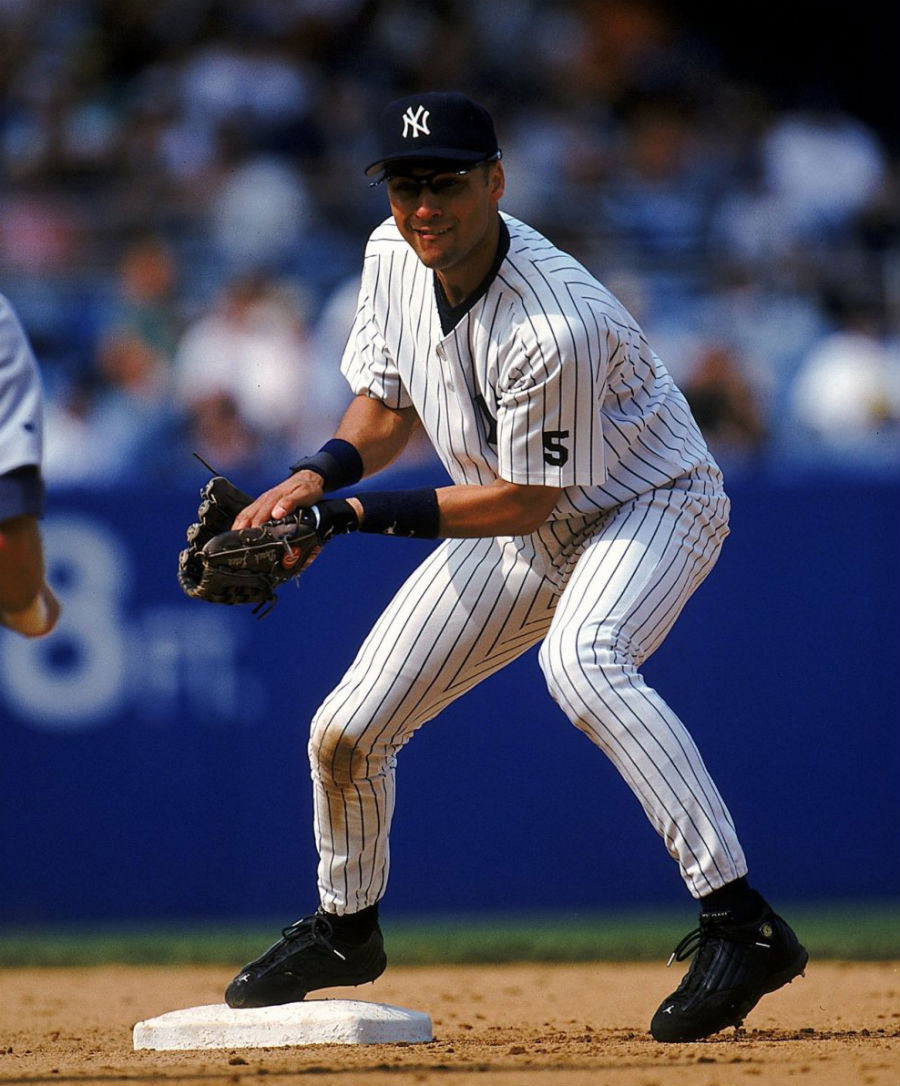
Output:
(416, 124)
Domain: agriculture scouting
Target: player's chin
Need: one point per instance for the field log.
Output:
(435, 257)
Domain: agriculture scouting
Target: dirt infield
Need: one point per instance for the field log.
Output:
(498, 1026)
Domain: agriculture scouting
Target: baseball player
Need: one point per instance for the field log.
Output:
(27, 603)
(584, 511)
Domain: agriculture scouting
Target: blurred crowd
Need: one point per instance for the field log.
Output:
(183, 214)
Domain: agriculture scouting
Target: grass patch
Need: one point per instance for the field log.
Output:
(833, 931)
(830, 931)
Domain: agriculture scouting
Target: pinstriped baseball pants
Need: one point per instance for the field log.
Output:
(601, 593)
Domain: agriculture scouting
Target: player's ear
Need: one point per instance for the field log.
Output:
(496, 181)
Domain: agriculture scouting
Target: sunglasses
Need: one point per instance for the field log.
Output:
(437, 181)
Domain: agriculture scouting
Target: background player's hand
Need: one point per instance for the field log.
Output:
(38, 618)
(302, 489)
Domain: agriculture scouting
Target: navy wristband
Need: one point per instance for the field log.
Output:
(338, 462)
(411, 513)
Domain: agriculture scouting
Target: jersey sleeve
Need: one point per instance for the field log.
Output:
(368, 364)
(22, 493)
(21, 422)
(549, 430)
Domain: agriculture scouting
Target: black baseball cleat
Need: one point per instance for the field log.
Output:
(306, 958)
(736, 964)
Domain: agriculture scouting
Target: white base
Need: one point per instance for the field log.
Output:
(320, 1021)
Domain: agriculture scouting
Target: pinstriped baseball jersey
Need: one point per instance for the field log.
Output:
(546, 379)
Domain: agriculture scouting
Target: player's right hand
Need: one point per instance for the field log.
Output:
(301, 489)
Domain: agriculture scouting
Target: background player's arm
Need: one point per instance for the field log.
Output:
(379, 433)
(27, 604)
(21, 562)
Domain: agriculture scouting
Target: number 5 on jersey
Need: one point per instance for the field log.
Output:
(555, 452)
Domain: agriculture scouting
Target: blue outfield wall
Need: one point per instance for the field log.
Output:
(154, 758)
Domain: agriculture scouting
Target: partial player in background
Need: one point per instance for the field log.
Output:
(27, 603)
(585, 510)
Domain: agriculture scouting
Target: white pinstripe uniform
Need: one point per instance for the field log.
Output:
(21, 419)
(547, 380)
(20, 395)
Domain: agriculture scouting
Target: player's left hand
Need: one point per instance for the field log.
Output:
(224, 565)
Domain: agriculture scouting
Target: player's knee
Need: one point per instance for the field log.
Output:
(339, 758)
(330, 756)
(570, 654)
(558, 658)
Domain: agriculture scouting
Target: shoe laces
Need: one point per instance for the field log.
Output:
(307, 931)
(718, 925)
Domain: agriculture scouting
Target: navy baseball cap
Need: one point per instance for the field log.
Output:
(435, 126)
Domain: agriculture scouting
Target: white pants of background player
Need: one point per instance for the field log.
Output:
(602, 593)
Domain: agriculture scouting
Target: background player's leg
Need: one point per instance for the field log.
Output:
(625, 593)
(470, 608)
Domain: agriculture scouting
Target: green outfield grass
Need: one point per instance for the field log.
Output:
(835, 931)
